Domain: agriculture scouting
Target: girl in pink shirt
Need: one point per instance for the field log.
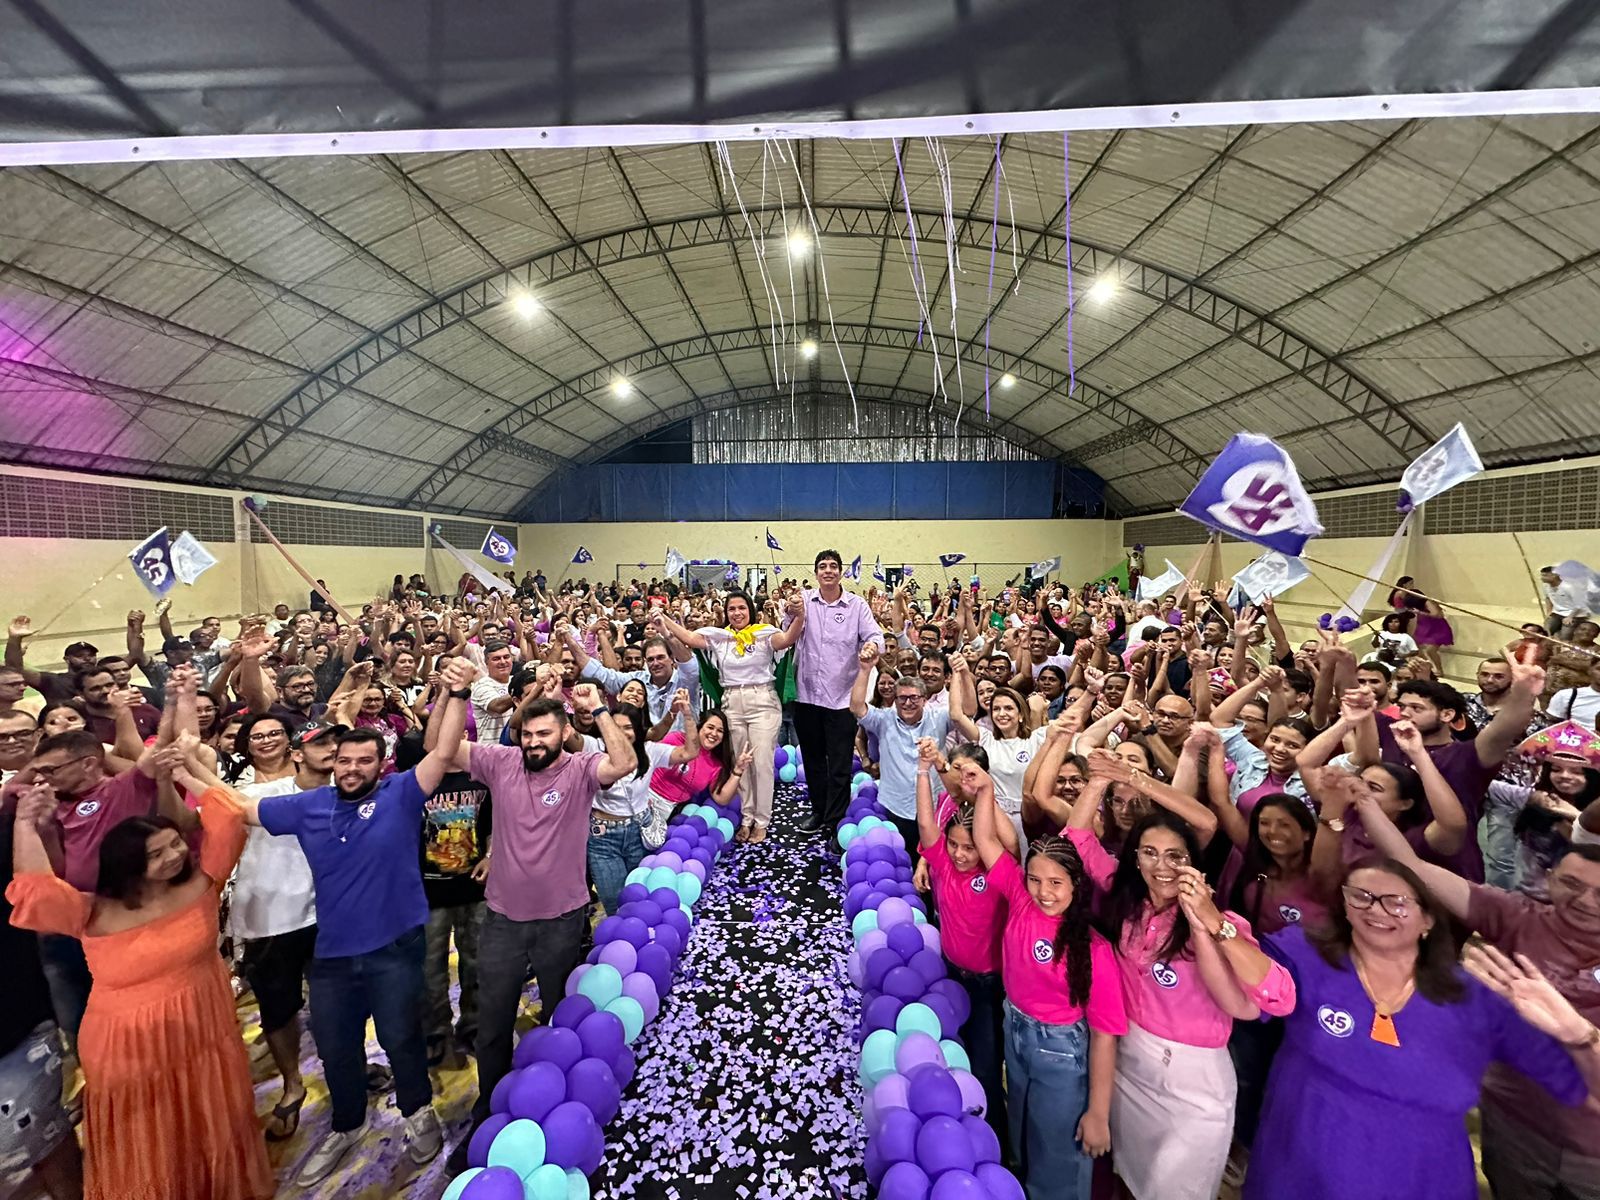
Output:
(1064, 1010)
(1189, 970)
(971, 917)
(713, 770)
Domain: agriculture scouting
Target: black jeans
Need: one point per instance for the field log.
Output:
(827, 744)
(508, 952)
(386, 985)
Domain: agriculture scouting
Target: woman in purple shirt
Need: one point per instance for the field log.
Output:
(1385, 1051)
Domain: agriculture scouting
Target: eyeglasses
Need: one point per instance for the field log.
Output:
(267, 737)
(1395, 904)
(907, 699)
(18, 737)
(47, 772)
(1173, 858)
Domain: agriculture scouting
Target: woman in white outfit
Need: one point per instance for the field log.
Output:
(745, 655)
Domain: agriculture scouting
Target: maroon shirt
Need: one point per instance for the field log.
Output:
(1468, 778)
(85, 821)
(146, 718)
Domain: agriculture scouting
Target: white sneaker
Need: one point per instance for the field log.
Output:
(424, 1135)
(329, 1154)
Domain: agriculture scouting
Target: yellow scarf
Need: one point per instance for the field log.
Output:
(744, 639)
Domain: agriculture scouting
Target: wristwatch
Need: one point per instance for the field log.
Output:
(1226, 932)
(1334, 823)
(461, 693)
(1589, 1039)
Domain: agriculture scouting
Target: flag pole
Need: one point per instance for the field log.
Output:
(299, 570)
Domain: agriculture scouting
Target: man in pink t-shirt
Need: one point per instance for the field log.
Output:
(537, 896)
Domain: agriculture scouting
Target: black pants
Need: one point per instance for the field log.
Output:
(827, 744)
(508, 952)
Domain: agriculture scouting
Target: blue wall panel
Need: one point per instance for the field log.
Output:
(812, 492)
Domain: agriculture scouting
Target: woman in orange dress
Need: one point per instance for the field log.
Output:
(169, 1113)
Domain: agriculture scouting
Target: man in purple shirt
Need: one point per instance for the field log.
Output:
(836, 625)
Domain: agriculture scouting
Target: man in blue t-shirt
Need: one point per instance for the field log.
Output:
(361, 837)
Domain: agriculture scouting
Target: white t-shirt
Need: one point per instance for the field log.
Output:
(1576, 704)
(733, 668)
(1403, 643)
(629, 797)
(1145, 629)
(272, 888)
(1062, 661)
(486, 691)
(1008, 763)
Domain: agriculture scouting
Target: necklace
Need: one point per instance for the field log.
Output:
(1383, 1010)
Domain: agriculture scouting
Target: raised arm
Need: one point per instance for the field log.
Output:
(620, 759)
(1226, 714)
(866, 659)
(1448, 830)
(254, 689)
(447, 726)
(691, 638)
(1041, 783)
(795, 608)
(963, 699)
(1510, 723)
(1105, 765)
(19, 631)
(986, 818)
(136, 654)
(928, 831)
(741, 764)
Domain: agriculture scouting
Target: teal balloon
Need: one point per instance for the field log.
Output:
(868, 823)
(877, 1055)
(687, 911)
(688, 888)
(577, 1184)
(520, 1146)
(866, 919)
(859, 778)
(848, 833)
(459, 1183)
(661, 877)
(918, 917)
(630, 1012)
(726, 826)
(917, 1018)
(787, 772)
(955, 1054)
(549, 1182)
(601, 983)
(637, 875)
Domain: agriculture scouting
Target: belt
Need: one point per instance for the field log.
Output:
(609, 818)
(734, 687)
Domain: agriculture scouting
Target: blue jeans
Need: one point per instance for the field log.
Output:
(67, 974)
(1498, 840)
(615, 848)
(983, 1035)
(386, 985)
(1047, 1092)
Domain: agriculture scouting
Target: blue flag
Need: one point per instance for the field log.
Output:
(498, 548)
(949, 560)
(1451, 460)
(854, 571)
(152, 559)
(772, 542)
(877, 569)
(1253, 492)
(582, 556)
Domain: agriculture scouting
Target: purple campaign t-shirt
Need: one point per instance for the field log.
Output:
(1468, 778)
(538, 854)
(364, 861)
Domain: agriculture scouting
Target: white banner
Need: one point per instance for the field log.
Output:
(1362, 595)
(481, 574)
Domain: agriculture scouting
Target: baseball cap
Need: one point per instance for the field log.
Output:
(176, 643)
(314, 730)
(80, 647)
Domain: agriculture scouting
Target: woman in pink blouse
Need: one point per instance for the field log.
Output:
(1064, 1009)
(713, 770)
(1188, 972)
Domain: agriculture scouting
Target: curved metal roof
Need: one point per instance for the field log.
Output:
(358, 328)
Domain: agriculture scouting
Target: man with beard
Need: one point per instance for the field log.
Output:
(1496, 834)
(537, 893)
(360, 837)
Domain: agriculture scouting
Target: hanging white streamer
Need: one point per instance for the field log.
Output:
(952, 257)
(485, 577)
(759, 244)
(822, 274)
(1361, 596)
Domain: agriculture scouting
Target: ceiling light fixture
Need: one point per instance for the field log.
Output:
(1008, 381)
(808, 349)
(799, 244)
(621, 388)
(525, 305)
(1103, 289)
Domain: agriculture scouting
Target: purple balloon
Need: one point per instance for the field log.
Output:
(881, 1013)
(669, 939)
(855, 873)
(655, 960)
(665, 898)
(500, 1098)
(955, 995)
(622, 1067)
(578, 973)
(985, 1142)
(643, 989)
(958, 1185)
(999, 1183)
(898, 1130)
(592, 1084)
(917, 903)
(601, 1035)
(915, 1050)
(853, 968)
(495, 1183)
(705, 856)
(607, 930)
(677, 920)
(634, 931)
(942, 1145)
(930, 936)
(904, 1181)
(478, 1147)
(932, 1089)
(873, 1163)
(567, 1130)
(877, 872)
(878, 967)
(539, 1087)
(621, 954)
(559, 1046)
(893, 911)
(593, 1152)
(665, 858)
(696, 868)
(875, 939)
(904, 983)
(928, 965)
(527, 1045)
(904, 940)
(632, 893)
(940, 1007)
(891, 1091)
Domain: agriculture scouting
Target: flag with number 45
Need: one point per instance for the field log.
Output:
(1253, 491)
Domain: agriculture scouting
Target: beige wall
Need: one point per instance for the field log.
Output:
(1087, 548)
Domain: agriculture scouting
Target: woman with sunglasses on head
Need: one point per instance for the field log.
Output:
(1384, 1055)
(1189, 971)
(1063, 1012)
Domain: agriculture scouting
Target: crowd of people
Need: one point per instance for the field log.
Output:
(1206, 887)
